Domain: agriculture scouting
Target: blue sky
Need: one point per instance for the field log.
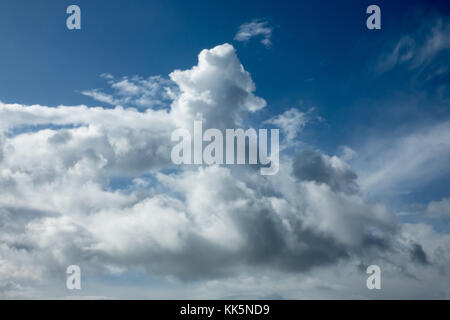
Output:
(314, 45)
(375, 104)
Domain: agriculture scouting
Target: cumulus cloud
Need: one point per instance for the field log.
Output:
(209, 229)
(120, 141)
(310, 165)
(255, 28)
(218, 90)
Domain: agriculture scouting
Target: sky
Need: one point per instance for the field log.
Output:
(86, 177)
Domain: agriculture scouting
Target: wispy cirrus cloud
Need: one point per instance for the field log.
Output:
(419, 50)
(398, 164)
(418, 151)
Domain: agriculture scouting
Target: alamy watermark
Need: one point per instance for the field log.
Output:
(241, 147)
(74, 277)
(374, 280)
(374, 20)
(73, 22)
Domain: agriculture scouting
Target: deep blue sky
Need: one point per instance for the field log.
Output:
(322, 54)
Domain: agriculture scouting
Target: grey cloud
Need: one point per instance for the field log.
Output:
(310, 165)
(437, 209)
(1, 145)
(60, 137)
(418, 254)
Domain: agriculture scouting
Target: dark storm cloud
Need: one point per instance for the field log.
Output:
(418, 254)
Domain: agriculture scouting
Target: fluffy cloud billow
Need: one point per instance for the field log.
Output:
(96, 187)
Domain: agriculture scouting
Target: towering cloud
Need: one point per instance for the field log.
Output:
(217, 89)
(96, 187)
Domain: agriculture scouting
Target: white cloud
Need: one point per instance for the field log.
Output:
(291, 122)
(397, 164)
(255, 28)
(418, 50)
(135, 91)
(100, 96)
(233, 231)
(218, 89)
